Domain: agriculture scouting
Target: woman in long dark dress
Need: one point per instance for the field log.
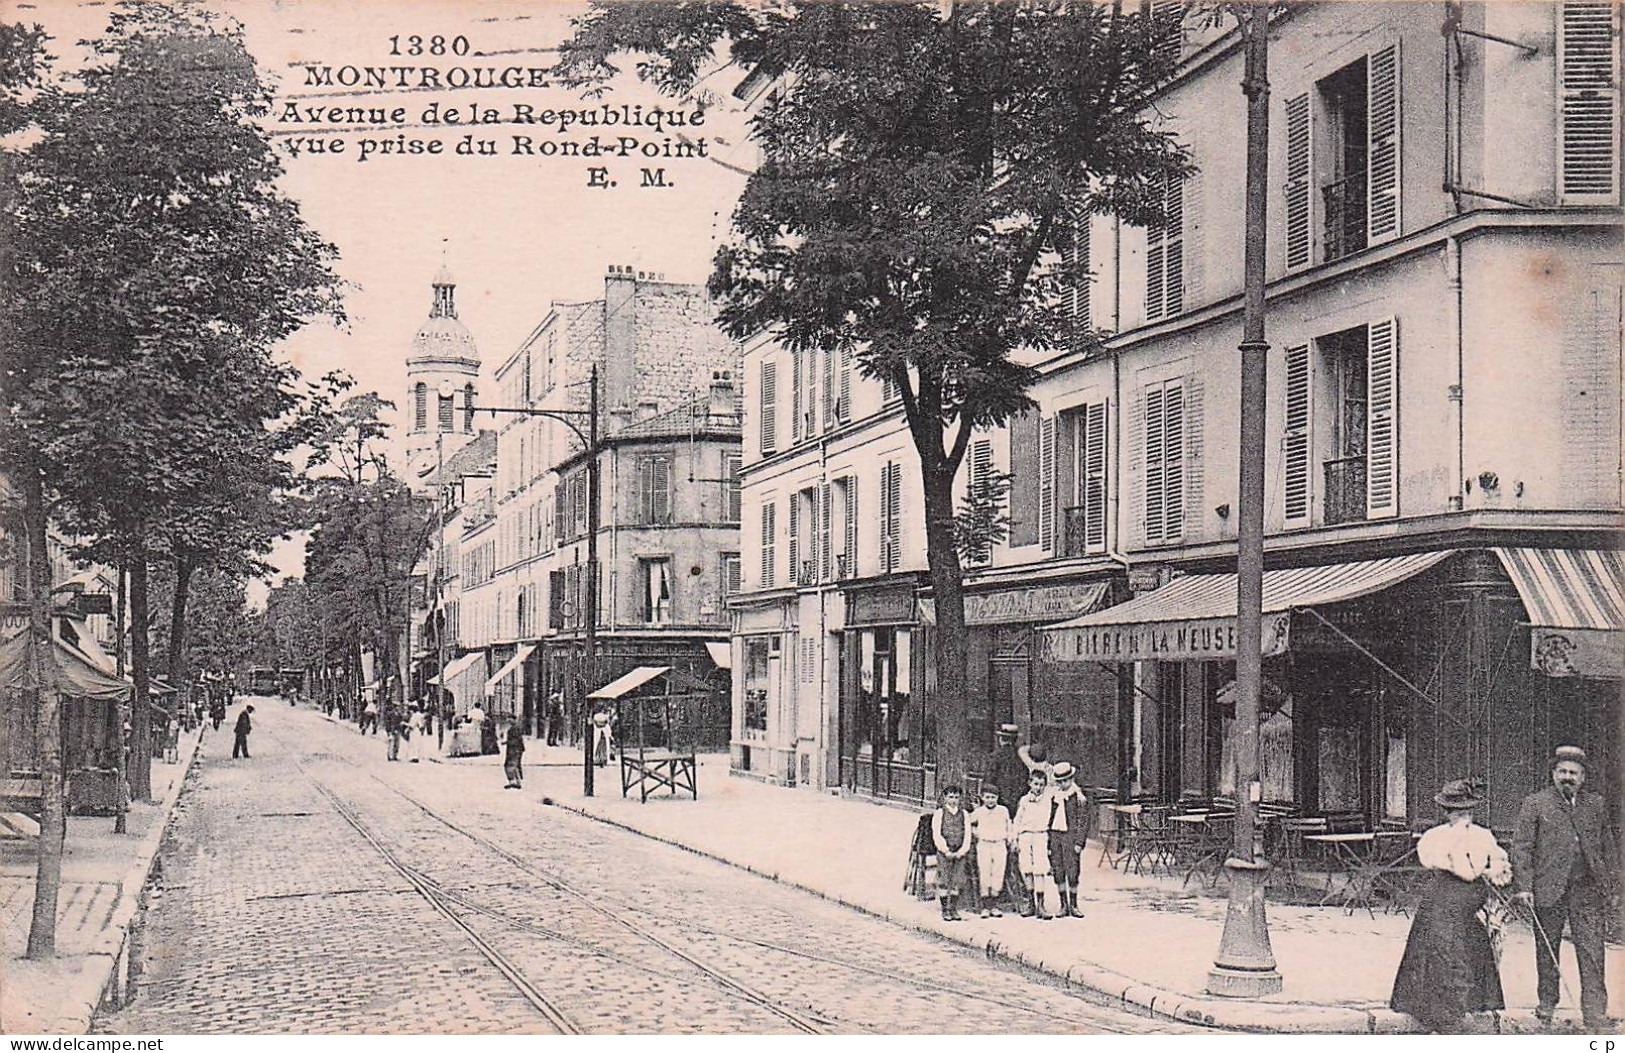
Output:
(1448, 969)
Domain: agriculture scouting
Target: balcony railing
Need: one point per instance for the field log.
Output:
(1345, 215)
(808, 572)
(1074, 537)
(843, 566)
(1345, 490)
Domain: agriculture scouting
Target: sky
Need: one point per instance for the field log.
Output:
(517, 232)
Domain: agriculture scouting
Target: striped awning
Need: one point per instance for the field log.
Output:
(1195, 616)
(630, 682)
(1575, 599)
(507, 670)
(455, 667)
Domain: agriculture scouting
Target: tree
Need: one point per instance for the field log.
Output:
(157, 266)
(924, 167)
(983, 519)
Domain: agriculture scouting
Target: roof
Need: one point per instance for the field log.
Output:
(686, 418)
(476, 457)
(444, 337)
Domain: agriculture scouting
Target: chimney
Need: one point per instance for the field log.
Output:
(647, 408)
(721, 404)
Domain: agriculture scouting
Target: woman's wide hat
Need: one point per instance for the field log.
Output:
(1458, 794)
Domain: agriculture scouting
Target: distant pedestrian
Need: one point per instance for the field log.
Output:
(392, 728)
(369, 717)
(950, 833)
(1032, 846)
(512, 764)
(217, 710)
(416, 734)
(555, 717)
(1069, 821)
(992, 830)
(603, 738)
(239, 745)
(1448, 969)
(1566, 862)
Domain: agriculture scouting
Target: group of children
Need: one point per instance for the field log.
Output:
(1046, 834)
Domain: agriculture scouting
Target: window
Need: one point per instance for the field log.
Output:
(468, 408)
(758, 651)
(804, 533)
(1083, 482)
(1075, 288)
(826, 528)
(797, 397)
(1361, 475)
(1589, 76)
(730, 574)
(826, 386)
(733, 489)
(446, 413)
(1046, 484)
(846, 562)
(979, 470)
(1165, 255)
(1345, 137)
(769, 540)
(655, 576)
(1164, 462)
(654, 488)
(1344, 173)
(891, 515)
(843, 401)
(420, 406)
(769, 418)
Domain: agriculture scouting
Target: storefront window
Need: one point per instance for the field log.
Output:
(758, 650)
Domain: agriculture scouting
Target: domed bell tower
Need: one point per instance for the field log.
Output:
(445, 358)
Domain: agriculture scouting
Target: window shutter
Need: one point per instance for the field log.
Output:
(797, 362)
(468, 407)
(555, 599)
(559, 519)
(826, 359)
(1046, 484)
(645, 469)
(1155, 516)
(1382, 135)
(1295, 445)
(731, 574)
(660, 485)
(1155, 275)
(1298, 168)
(1588, 75)
(892, 513)
(981, 462)
(1094, 478)
(769, 396)
(795, 538)
(843, 403)
(1023, 433)
(851, 539)
(1173, 296)
(1382, 419)
(1075, 293)
(420, 406)
(730, 467)
(826, 526)
(445, 410)
(768, 528)
(1173, 460)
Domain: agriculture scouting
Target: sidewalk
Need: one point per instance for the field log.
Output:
(1147, 941)
(99, 906)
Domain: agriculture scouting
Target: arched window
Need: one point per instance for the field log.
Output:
(420, 406)
(468, 408)
(446, 421)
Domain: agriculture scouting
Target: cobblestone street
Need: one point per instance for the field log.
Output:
(316, 888)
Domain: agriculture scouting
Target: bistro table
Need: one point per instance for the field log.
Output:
(1350, 849)
(1114, 844)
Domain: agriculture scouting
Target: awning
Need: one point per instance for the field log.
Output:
(75, 675)
(1033, 603)
(1194, 617)
(455, 667)
(630, 682)
(722, 655)
(507, 670)
(160, 686)
(1575, 599)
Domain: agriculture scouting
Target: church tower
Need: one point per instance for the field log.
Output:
(442, 378)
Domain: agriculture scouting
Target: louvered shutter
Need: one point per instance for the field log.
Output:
(795, 538)
(768, 553)
(1155, 273)
(1173, 234)
(735, 490)
(894, 516)
(1382, 420)
(731, 570)
(1295, 444)
(1075, 293)
(1298, 168)
(560, 516)
(1023, 433)
(798, 362)
(851, 539)
(1155, 515)
(1383, 144)
(843, 403)
(769, 398)
(826, 526)
(1046, 484)
(660, 488)
(826, 359)
(1173, 460)
(1093, 489)
(815, 526)
(1588, 77)
(981, 472)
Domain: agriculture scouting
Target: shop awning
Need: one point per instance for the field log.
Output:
(76, 676)
(455, 667)
(1575, 599)
(722, 655)
(1033, 603)
(507, 670)
(625, 685)
(1194, 617)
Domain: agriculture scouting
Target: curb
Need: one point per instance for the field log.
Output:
(1288, 1018)
(102, 975)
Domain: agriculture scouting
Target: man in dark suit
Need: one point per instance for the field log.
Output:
(239, 743)
(1565, 862)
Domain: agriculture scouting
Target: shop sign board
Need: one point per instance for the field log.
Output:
(1177, 641)
(1577, 652)
(1030, 604)
(881, 607)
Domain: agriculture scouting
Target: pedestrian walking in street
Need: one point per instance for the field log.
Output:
(239, 745)
(415, 735)
(1032, 846)
(369, 717)
(555, 718)
(512, 761)
(1009, 770)
(1070, 818)
(603, 739)
(950, 833)
(1448, 969)
(392, 727)
(1566, 863)
(217, 710)
(991, 828)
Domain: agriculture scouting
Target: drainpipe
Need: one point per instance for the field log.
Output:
(1455, 302)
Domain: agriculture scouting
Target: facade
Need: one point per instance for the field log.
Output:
(442, 383)
(668, 502)
(1444, 260)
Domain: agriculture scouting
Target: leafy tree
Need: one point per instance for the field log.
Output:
(923, 169)
(983, 519)
(156, 266)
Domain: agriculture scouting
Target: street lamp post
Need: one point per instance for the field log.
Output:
(589, 440)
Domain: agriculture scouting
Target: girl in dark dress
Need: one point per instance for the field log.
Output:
(1448, 969)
